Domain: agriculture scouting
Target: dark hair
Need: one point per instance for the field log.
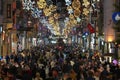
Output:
(69, 79)
(90, 73)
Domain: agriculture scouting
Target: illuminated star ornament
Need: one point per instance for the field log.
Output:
(86, 3)
(27, 4)
(78, 19)
(85, 11)
(68, 2)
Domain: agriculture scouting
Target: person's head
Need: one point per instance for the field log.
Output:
(69, 79)
(37, 74)
(90, 73)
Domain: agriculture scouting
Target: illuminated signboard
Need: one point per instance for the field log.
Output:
(1, 28)
(116, 16)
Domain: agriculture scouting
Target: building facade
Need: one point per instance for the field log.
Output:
(110, 36)
(8, 34)
(1, 25)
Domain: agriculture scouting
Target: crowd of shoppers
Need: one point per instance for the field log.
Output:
(50, 62)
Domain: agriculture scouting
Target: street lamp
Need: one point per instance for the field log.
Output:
(109, 41)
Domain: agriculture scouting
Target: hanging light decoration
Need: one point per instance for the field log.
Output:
(36, 13)
(66, 20)
(52, 8)
(76, 12)
(71, 16)
(57, 24)
(68, 2)
(85, 11)
(73, 22)
(78, 19)
(76, 4)
(56, 15)
(41, 4)
(51, 20)
(44, 21)
(66, 31)
(67, 24)
(56, 28)
(86, 3)
(47, 11)
(28, 4)
(70, 10)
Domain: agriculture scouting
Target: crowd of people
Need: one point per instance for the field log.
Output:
(48, 62)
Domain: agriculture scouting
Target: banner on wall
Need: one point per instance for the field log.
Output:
(90, 28)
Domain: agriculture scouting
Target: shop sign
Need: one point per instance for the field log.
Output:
(116, 16)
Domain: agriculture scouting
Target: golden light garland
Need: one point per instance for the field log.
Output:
(69, 8)
(51, 20)
(68, 24)
(76, 12)
(47, 11)
(71, 16)
(85, 11)
(86, 3)
(76, 4)
(56, 29)
(73, 11)
(52, 8)
(73, 22)
(41, 4)
(56, 15)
